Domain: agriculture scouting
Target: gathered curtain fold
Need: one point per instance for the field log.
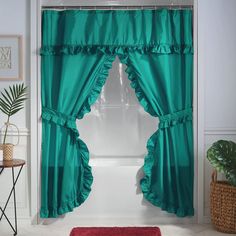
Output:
(78, 48)
(163, 85)
(69, 86)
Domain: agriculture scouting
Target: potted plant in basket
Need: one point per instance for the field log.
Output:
(222, 156)
(11, 101)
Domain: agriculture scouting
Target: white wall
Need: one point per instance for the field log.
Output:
(217, 37)
(14, 18)
(216, 71)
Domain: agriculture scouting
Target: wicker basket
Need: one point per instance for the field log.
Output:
(223, 205)
(8, 147)
(7, 151)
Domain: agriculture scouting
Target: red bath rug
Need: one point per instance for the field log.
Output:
(115, 231)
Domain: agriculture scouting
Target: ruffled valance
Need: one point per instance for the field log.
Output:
(116, 50)
(117, 32)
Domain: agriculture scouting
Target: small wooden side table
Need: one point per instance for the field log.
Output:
(11, 164)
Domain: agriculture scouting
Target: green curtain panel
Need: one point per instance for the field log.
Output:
(78, 48)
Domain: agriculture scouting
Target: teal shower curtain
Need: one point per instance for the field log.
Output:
(78, 48)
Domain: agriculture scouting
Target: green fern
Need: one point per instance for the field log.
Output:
(12, 101)
(222, 156)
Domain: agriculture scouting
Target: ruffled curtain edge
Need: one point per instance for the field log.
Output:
(100, 82)
(149, 160)
(88, 178)
(117, 49)
(68, 206)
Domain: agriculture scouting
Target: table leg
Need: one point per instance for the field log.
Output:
(7, 220)
(14, 181)
(11, 192)
(14, 195)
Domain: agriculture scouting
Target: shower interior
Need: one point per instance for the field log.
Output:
(116, 133)
(117, 128)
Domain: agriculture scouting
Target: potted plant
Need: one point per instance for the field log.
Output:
(11, 101)
(222, 156)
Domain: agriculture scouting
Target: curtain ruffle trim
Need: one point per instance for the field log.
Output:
(117, 49)
(134, 79)
(86, 189)
(145, 184)
(172, 119)
(175, 118)
(100, 81)
(69, 122)
(60, 119)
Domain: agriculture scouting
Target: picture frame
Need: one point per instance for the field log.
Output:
(11, 57)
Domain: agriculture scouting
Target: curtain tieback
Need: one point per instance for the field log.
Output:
(60, 118)
(175, 118)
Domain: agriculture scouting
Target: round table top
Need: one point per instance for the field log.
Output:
(12, 163)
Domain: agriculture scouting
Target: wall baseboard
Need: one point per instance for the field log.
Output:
(22, 132)
(220, 131)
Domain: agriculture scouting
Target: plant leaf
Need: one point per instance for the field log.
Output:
(6, 100)
(6, 103)
(11, 91)
(16, 110)
(13, 99)
(222, 156)
(7, 95)
(3, 111)
(14, 91)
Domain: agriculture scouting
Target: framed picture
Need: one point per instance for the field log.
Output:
(11, 57)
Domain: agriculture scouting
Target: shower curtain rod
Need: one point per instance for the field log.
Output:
(117, 7)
